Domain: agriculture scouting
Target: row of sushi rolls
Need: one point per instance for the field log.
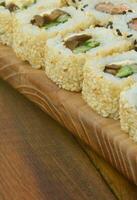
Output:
(87, 46)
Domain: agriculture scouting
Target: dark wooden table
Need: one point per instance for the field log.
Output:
(40, 160)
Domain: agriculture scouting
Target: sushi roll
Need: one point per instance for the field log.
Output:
(7, 8)
(65, 56)
(105, 78)
(32, 31)
(104, 11)
(128, 111)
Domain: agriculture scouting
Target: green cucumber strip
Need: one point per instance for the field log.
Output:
(134, 68)
(63, 18)
(93, 44)
(125, 71)
(50, 25)
(86, 46)
(60, 20)
(81, 49)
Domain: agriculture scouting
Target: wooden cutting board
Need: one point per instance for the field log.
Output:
(102, 135)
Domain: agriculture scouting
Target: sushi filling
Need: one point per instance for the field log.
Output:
(112, 9)
(13, 6)
(121, 70)
(50, 20)
(81, 43)
(133, 24)
(2, 3)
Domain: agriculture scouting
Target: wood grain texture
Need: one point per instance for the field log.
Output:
(121, 187)
(103, 135)
(39, 159)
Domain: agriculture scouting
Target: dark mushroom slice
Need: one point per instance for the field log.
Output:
(38, 21)
(12, 7)
(112, 69)
(55, 14)
(55, 18)
(121, 71)
(81, 43)
(3, 4)
(76, 40)
(133, 24)
(112, 9)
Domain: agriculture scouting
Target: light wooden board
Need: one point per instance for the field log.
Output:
(103, 135)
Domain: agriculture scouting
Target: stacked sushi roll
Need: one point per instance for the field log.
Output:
(33, 30)
(66, 56)
(106, 78)
(128, 111)
(7, 8)
(83, 45)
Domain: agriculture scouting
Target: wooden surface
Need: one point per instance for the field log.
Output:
(40, 160)
(123, 189)
(102, 135)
